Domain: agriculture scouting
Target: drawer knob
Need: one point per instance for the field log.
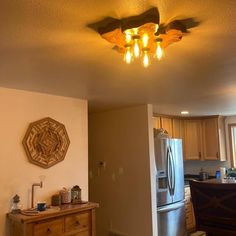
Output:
(49, 231)
(77, 222)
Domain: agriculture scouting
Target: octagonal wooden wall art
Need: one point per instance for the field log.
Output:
(46, 142)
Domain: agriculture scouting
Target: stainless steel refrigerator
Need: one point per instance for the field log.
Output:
(170, 187)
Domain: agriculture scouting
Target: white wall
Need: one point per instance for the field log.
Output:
(194, 167)
(18, 109)
(121, 138)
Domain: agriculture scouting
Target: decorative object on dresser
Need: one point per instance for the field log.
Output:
(16, 206)
(65, 195)
(67, 220)
(76, 194)
(56, 200)
(46, 142)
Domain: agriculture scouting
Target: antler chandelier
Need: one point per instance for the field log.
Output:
(143, 36)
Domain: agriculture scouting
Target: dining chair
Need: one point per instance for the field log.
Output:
(214, 207)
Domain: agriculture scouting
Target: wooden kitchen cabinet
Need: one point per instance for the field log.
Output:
(213, 139)
(164, 123)
(157, 122)
(203, 137)
(67, 220)
(189, 212)
(178, 128)
(193, 139)
(210, 139)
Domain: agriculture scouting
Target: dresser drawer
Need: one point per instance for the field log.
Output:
(49, 228)
(84, 233)
(78, 222)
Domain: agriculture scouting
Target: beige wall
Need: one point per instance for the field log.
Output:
(121, 138)
(18, 109)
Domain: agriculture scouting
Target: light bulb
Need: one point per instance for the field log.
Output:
(145, 59)
(156, 27)
(128, 38)
(159, 51)
(128, 55)
(145, 39)
(136, 48)
(135, 31)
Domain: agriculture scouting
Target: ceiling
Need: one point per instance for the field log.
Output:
(46, 46)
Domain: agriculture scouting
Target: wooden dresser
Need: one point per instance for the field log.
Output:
(67, 220)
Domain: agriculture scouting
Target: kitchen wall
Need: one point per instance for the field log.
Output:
(194, 167)
(122, 171)
(18, 109)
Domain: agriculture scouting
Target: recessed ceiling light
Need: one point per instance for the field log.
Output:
(184, 112)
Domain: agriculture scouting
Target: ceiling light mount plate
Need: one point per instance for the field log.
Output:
(150, 16)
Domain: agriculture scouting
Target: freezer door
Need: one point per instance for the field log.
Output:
(171, 220)
(163, 169)
(176, 154)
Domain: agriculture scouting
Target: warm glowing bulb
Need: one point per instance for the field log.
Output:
(156, 27)
(159, 51)
(145, 59)
(135, 31)
(136, 48)
(128, 38)
(145, 40)
(128, 55)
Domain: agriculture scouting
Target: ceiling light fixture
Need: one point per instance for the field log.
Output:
(143, 36)
(184, 112)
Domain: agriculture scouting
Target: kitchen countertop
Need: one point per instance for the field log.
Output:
(222, 181)
(188, 177)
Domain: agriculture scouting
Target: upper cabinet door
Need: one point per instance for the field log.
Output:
(166, 124)
(178, 128)
(192, 140)
(214, 139)
(156, 122)
(211, 139)
(222, 139)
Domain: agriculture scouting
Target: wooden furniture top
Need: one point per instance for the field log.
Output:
(220, 181)
(53, 211)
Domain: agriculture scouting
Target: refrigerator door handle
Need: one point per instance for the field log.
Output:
(170, 207)
(169, 177)
(173, 171)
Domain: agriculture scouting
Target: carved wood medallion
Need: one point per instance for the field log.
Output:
(46, 142)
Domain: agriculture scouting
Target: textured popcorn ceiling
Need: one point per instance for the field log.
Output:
(46, 46)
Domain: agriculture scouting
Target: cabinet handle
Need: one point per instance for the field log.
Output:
(49, 231)
(200, 154)
(217, 155)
